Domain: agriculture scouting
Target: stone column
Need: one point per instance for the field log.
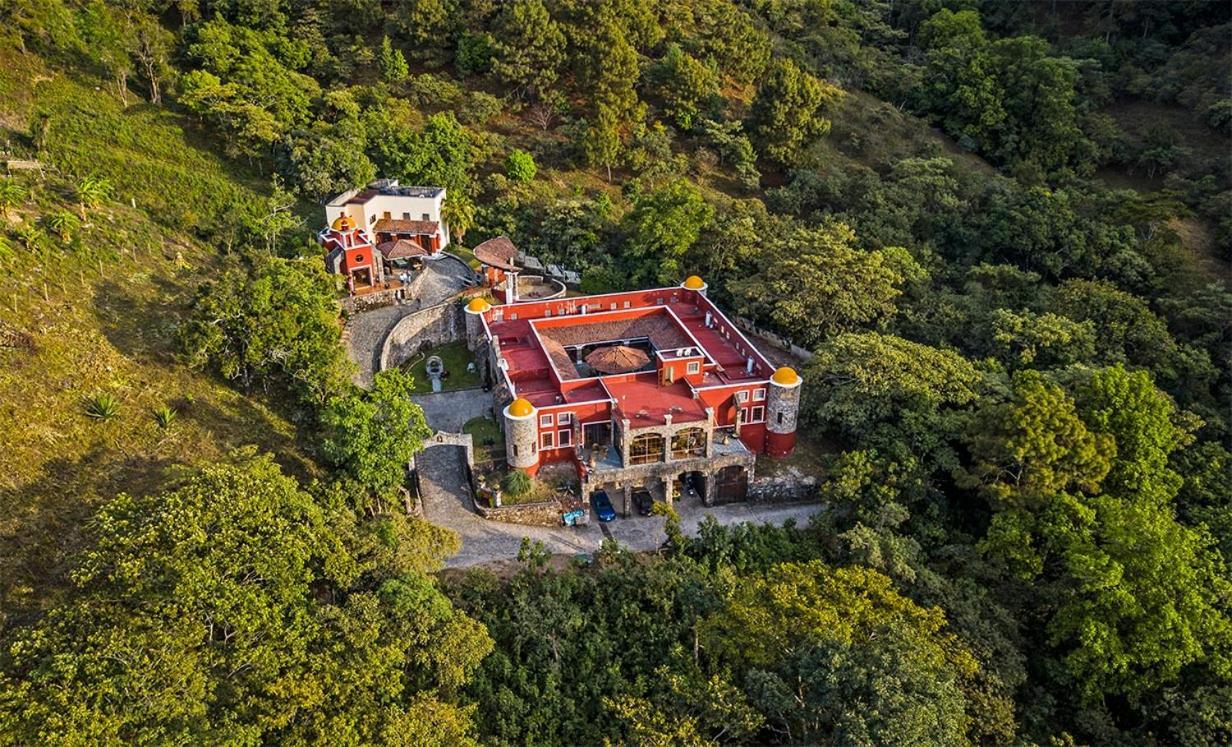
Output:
(668, 489)
(624, 442)
(782, 407)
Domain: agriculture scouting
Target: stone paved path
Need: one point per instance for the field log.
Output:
(443, 279)
(449, 411)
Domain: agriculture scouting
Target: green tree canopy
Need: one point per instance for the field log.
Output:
(217, 611)
(279, 323)
(372, 435)
(787, 110)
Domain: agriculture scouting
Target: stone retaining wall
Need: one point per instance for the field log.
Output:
(540, 513)
(782, 489)
(438, 325)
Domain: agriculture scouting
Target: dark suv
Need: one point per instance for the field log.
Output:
(644, 501)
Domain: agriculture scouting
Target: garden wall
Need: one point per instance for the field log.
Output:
(437, 325)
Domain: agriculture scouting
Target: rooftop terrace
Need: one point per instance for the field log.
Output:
(541, 341)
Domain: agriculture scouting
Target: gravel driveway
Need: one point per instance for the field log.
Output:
(447, 502)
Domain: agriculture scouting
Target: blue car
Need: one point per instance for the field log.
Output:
(603, 506)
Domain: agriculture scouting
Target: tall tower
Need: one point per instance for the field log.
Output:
(782, 408)
(522, 436)
(695, 283)
(474, 322)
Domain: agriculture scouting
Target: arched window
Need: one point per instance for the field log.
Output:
(689, 443)
(646, 449)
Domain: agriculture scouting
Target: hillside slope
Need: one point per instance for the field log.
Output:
(94, 312)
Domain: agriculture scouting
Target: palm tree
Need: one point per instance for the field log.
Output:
(12, 194)
(91, 191)
(32, 237)
(63, 224)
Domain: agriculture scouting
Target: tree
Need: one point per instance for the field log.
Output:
(1082, 499)
(836, 655)
(520, 166)
(371, 436)
(686, 86)
(279, 323)
(663, 225)
(1041, 340)
(786, 111)
(609, 74)
(63, 224)
(886, 392)
(393, 64)
(812, 282)
(235, 608)
(91, 192)
(529, 48)
(12, 195)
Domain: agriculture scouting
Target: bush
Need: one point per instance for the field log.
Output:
(164, 416)
(102, 406)
(520, 166)
(516, 483)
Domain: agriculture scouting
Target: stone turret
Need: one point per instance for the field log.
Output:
(522, 436)
(474, 322)
(782, 408)
(695, 283)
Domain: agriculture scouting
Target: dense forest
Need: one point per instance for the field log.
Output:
(1005, 229)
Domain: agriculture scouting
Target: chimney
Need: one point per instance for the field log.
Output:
(709, 319)
(748, 366)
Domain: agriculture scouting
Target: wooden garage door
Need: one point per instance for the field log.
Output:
(731, 484)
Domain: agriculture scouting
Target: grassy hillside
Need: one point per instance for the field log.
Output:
(94, 312)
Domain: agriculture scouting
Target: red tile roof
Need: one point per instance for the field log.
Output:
(498, 252)
(401, 249)
(396, 225)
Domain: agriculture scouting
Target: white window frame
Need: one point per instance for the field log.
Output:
(694, 367)
(545, 420)
(759, 414)
(564, 438)
(547, 440)
(564, 418)
(742, 396)
(759, 395)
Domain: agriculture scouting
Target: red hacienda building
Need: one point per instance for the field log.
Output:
(650, 389)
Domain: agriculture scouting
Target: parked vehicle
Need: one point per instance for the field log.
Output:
(603, 506)
(644, 501)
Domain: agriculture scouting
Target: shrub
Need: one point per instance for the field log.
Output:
(164, 416)
(520, 166)
(102, 406)
(516, 483)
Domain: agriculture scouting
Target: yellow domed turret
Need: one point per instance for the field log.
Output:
(343, 223)
(521, 408)
(478, 305)
(785, 376)
(693, 282)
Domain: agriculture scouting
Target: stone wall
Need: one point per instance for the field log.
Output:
(438, 325)
(747, 325)
(541, 513)
(782, 489)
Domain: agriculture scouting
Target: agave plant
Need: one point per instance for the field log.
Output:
(102, 406)
(164, 416)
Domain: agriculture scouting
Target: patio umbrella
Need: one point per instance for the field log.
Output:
(617, 359)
